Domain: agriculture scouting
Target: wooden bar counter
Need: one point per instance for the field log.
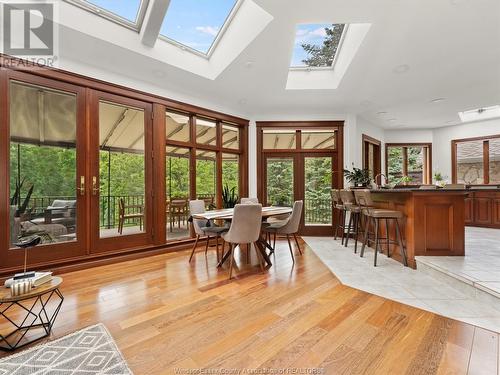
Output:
(434, 221)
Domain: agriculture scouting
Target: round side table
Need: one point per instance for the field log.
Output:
(29, 317)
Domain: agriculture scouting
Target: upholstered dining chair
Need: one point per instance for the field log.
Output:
(244, 229)
(204, 227)
(288, 227)
(249, 200)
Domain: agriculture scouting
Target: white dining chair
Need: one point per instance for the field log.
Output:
(204, 227)
(244, 229)
(249, 200)
(288, 227)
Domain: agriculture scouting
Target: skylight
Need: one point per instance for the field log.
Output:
(480, 114)
(197, 24)
(316, 45)
(129, 13)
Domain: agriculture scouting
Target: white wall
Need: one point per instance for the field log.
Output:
(371, 130)
(408, 136)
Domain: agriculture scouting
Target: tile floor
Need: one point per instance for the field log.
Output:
(423, 288)
(479, 267)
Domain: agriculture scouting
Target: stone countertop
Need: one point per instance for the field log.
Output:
(410, 189)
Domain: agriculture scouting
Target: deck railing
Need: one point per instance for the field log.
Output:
(317, 211)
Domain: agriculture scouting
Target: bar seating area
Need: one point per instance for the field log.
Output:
(250, 187)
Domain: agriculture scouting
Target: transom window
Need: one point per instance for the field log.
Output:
(197, 24)
(317, 45)
(129, 13)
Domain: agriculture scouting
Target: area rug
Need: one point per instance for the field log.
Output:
(90, 351)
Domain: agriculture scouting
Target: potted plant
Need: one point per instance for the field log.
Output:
(358, 177)
(439, 179)
(229, 197)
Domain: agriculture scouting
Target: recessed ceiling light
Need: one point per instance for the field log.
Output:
(392, 119)
(381, 113)
(401, 68)
(437, 100)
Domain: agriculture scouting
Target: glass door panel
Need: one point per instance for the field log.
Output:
(121, 170)
(206, 177)
(43, 163)
(121, 176)
(279, 181)
(178, 192)
(231, 171)
(317, 189)
(47, 193)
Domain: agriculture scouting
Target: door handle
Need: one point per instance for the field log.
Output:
(81, 189)
(95, 188)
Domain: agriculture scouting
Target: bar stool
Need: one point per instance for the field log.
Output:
(337, 205)
(374, 215)
(349, 201)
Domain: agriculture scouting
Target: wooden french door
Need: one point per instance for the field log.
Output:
(45, 153)
(301, 176)
(121, 208)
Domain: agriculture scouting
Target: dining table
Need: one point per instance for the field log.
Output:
(227, 214)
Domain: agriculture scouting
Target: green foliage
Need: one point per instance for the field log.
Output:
(438, 177)
(16, 197)
(280, 182)
(23, 207)
(358, 176)
(324, 55)
(229, 197)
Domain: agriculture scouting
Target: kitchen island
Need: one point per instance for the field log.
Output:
(434, 222)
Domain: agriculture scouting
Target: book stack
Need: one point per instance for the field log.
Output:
(37, 279)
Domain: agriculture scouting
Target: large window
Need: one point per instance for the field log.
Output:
(409, 163)
(203, 157)
(476, 161)
(301, 161)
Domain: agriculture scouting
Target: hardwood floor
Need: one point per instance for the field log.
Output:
(168, 316)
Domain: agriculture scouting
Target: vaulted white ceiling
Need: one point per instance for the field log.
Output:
(415, 51)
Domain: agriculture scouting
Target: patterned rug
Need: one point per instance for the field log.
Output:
(91, 350)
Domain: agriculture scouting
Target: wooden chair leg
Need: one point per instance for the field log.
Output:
(231, 261)
(297, 243)
(217, 246)
(274, 242)
(367, 232)
(342, 227)
(194, 247)
(356, 231)
(402, 248)
(206, 246)
(259, 256)
(349, 229)
(248, 254)
(290, 246)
